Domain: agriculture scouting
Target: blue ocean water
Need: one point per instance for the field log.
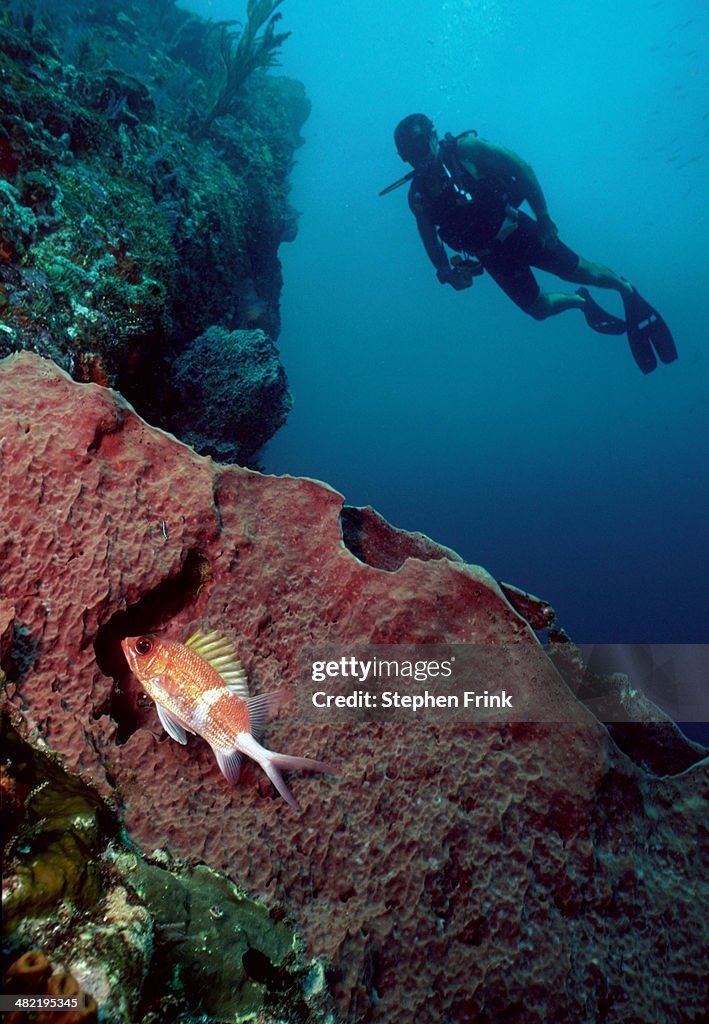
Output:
(537, 450)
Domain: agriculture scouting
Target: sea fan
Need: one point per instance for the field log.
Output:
(242, 52)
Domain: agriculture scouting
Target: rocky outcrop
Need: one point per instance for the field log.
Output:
(527, 872)
(128, 226)
(234, 393)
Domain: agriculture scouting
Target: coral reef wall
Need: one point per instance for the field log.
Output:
(132, 220)
(458, 873)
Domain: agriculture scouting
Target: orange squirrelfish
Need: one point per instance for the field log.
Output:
(200, 687)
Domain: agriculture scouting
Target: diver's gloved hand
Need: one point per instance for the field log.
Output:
(454, 276)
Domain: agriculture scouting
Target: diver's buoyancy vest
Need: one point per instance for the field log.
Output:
(468, 211)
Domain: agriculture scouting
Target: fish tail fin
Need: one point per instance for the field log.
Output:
(275, 762)
(272, 763)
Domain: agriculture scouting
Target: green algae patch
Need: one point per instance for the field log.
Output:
(56, 829)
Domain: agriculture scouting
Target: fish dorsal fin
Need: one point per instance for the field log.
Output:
(219, 652)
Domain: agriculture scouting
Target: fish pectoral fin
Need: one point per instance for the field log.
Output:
(172, 725)
(230, 763)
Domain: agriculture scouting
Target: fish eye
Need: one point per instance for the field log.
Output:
(143, 645)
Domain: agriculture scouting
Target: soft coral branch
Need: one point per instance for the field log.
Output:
(252, 51)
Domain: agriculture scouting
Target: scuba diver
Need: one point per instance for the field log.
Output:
(466, 192)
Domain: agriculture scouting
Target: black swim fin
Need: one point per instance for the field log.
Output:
(597, 318)
(648, 333)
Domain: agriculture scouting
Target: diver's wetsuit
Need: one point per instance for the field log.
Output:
(479, 217)
(508, 262)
